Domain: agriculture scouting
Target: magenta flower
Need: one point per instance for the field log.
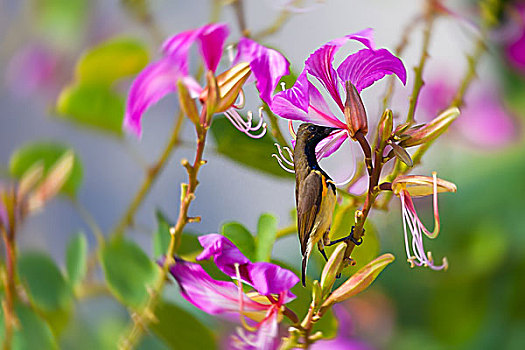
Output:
(410, 186)
(358, 71)
(260, 310)
(485, 123)
(515, 46)
(160, 78)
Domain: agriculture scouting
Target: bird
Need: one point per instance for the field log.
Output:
(315, 192)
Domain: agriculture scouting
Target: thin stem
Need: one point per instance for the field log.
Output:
(9, 286)
(275, 129)
(286, 231)
(277, 24)
(150, 178)
(143, 318)
(418, 78)
(400, 48)
(90, 221)
(238, 6)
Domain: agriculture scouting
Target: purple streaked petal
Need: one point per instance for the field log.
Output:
(330, 144)
(366, 66)
(223, 251)
(153, 83)
(211, 39)
(292, 103)
(264, 277)
(268, 66)
(266, 337)
(269, 278)
(209, 295)
(319, 64)
(318, 110)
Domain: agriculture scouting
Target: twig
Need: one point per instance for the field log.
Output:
(145, 316)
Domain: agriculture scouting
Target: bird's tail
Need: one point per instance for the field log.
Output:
(303, 275)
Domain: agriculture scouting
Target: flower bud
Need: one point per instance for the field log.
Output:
(386, 123)
(330, 269)
(229, 85)
(316, 293)
(419, 186)
(431, 131)
(354, 111)
(187, 104)
(359, 281)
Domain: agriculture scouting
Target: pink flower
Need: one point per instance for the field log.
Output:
(260, 309)
(358, 71)
(160, 78)
(406, 187)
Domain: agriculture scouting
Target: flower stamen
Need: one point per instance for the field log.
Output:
(284, 162)
(245, 126)
(241, 300)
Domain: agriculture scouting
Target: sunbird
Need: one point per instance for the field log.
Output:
(315, 193)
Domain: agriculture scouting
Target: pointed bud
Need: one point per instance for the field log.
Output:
(385, 127)
(212, 97)
(419, 186)
(187, 104)
(431, 131)
(229, 86)
(317, 294)
(53, 182)
(402, 155)
(359, 281)
(354, 111)
(330, 269)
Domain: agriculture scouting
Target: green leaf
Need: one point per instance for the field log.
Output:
(48, 153)
(76, 258)
(45, 283)
(128, 270)
(253, 153)
(62, 21)
(111, 60)
(181, 330)
(241, 237)
(92, 105)
(33, 333)
(266, 234)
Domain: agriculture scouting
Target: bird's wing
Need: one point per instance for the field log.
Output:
(309, 197)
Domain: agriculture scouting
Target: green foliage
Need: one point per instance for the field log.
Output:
(76, 258)
(91, 99)
(47, 153)
(95, 106)
(112, 60)
(253, 153)
(241, 237)
(45, 283)
(181, 330)
(266, 235)
(33, 333)
(129, 271)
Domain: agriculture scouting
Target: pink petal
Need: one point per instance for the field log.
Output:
(319, 64)
(304, 102)
(268, 66)
(153, 83)
(265, 278)
(330, 144)
(210, 38)
(366, 66)
(209, 295)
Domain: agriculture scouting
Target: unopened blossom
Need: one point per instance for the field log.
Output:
(358, 71)
(259, 310)
(407, 187)
(515, 45)
(160, 78)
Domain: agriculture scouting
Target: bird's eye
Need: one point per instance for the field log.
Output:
(312, 128)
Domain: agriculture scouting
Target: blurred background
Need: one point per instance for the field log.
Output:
(476, 304)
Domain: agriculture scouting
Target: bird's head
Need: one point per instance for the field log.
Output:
(312, 134)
